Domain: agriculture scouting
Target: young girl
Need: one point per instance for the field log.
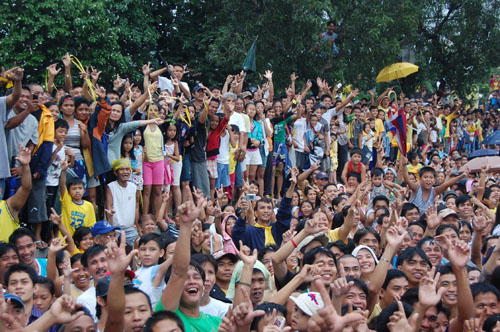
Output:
(172, 157)
(153, 165)
(367, 143)
(136, 176)
(255, 139)
(127, 152)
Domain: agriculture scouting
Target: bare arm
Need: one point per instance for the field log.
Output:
(16, 74)
(67, 72)
(16, 202)
(402, 167)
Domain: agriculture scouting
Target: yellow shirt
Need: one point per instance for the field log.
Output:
(7, 222)
(448, 121)
(414, 169)
(379, 127)
(232, 162)
(76, 215)
(153, 141)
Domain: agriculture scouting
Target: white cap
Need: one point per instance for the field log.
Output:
(309, 303)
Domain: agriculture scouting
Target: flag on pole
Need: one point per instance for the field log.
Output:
(396, 119)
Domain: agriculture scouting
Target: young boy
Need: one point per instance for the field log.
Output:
(424, 192)
(354, 166)
(59, 154)
(233, 146)
(76, 212)
(306, 305)
(217, 129)
(150, 252)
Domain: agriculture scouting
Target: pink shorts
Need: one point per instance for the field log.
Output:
(153, 173)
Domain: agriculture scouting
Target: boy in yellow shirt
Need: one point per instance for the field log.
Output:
(76, 212)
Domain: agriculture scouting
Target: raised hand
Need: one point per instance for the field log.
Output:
(309, 273)
(294, 172)
(101, 92)
(427, 294)
(458, 253)
(14, 74)
(293, 77)
(117, 257)
(95, 74)
(24, 156)
(62, 310)
(288, 235)
(53, 71)
(57, 244)
(327, 319)
(248, 259)
(146, 70)
(189, 212)
(66, 59)
(432, 217)
(244, 314)
(117, 83)
(268, 75)
(398, 321)
(395, 236)
(312, 226)
(340, 286)
(227, 324)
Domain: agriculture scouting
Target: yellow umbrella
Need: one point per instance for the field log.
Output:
(396, 71)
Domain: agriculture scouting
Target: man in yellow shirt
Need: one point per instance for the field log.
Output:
(9, 208)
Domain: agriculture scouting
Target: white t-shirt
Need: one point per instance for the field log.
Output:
(238, 120)
(144, 280)
(54, 170)
(166, 84)
(223, 156)
(299, 129)
(123, 204)
(215, 308)
(89, 301)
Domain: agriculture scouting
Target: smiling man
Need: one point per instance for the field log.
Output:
(24, 241)
(95, 261)
(414, 263)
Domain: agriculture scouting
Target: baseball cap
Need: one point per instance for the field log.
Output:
(219, 254)
(449, 193)
(197, 87)
(322, 175)
(102, 227)
(309, 303)
(13, 298)
(102, 286)
(246, 94)
(321, 237)
(447, 212)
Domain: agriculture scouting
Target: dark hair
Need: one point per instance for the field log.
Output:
(75, 258)
(50, 103)
(81, 100)
(151, 237)
(442, 228)
(361, 233)
(380, 198)
(265, 250)
(410, 296)
(445, 269)
(341, 246)
(21, 267)
(417, 223)
(391, 275)
(311, 255)
(6, 247)
(61, 123)
(411, 252)
(202, 259)
(74, 182)
(120, 120)
(63, 99)
(377, 171)
(91, 252)
(462, 199)
(466, 224)
(426, 169)
(261, 201)
(19, 233)
(268, 308)
(80, 233)
(160, 316)
(122, 151)
(383, 318)
(192, 263)
(407, 207)
(47, 283)
(483, 288)
(131, 289)
(355, 175)
(356, 151)
(359, 284)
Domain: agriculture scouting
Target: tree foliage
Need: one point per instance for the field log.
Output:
(455, 40)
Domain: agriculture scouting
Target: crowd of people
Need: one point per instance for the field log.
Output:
(160, 206)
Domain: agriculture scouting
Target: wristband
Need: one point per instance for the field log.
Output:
(245, 284)
(293, 242)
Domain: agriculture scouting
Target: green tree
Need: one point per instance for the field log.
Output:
(113, 36)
